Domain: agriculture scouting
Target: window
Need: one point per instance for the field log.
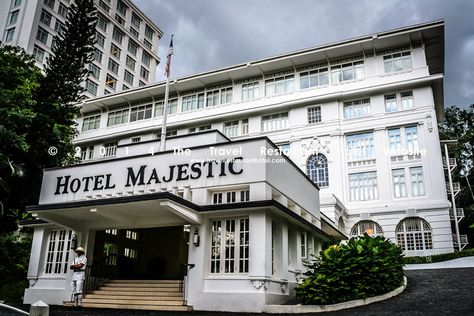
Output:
(394, 141)
(172, 107)
(13, 17)
(363, 186)
(128, 77)
(399, 184)
(136, 21)
(57, 255)
(231, 196)
(370, 228)
(147, 44)
(38, 54)
(87, 153)
(141, 112)
(130, 62)
(348, 72)
(304, 245)
(118, 117)
(49, 3)
(115, 51)
(149, 33)
(314, 114)
(98, 55)
(100, 39)
(192, 102)
(110, 149)
(314, 78)
(59, 27)
(274, 122)
(46, 17)
(397, 62)
(146, 59)
(16, 3)
(357, 108)
(113, 66)
(231, 129)
(132, 47)
(414, 233)
(134, 32)
(144, 73)
(360, 146)
(9, 35)
(219, 96)
(391, 103)
(42, 35)
(102, 23)
(412, 139)
(117, 35)
(130, 253)
(91, 87)
(407, 100)
(90, 122)
(104, 6)
(279, 85)
(62, 10)
(417, 182)
(121, 7)
(284, 148)
(119, 20)
(111, 81)
(250, 91)
(230, 246)
(199, 129)
(94, 71)
(317, 170)
(111, 232)
(171, 133)
(131, 234)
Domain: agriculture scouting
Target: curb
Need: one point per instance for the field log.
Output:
(297, 309)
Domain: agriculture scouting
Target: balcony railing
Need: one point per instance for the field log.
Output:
(463, 239)
(452, 162)
(456, 187)
(459, 213)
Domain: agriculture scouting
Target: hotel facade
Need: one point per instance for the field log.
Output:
(126, 40)
(265, 161)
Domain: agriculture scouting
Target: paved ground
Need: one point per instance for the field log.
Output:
(429, 292)
(466, 262)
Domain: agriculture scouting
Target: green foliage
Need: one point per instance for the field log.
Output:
(362, 268)
(13, 267)
(439, 258)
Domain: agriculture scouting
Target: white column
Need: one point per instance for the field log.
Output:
(260, 246)
(39, 239)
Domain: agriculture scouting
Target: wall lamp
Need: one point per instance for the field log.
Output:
(196, 237)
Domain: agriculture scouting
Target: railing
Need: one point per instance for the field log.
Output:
(462, 238)
(456, 187)
(100, 271)
(459, 213)
(452, 162)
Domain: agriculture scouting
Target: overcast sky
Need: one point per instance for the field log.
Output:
(210, 34)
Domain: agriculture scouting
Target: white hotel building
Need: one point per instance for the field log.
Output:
(357, 121)
(126, 40)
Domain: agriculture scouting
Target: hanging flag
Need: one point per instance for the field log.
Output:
(168, 60)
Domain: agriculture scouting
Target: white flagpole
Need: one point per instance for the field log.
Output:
(165, 105)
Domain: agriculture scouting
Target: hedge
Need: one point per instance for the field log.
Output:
(438, 258)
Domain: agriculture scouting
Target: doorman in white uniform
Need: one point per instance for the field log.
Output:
(79, 267)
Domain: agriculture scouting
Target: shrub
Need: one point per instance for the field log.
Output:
(439, 258)
(361, 268)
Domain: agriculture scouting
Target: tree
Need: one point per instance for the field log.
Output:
(459, 125)
(37, 111)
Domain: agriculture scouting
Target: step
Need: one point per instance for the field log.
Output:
(134, 302)
(139, 289)
(137, 293)
(147, 285)
(140, 307)
(146, 281)
(125, 296)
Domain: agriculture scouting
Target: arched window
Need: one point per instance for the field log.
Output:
(370, 227)
(317, 167)
(414, 233)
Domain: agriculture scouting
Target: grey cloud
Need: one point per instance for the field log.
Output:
(214, 33)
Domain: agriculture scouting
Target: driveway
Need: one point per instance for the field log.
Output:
(429, 292)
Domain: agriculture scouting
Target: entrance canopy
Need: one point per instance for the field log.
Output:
(148, 210)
